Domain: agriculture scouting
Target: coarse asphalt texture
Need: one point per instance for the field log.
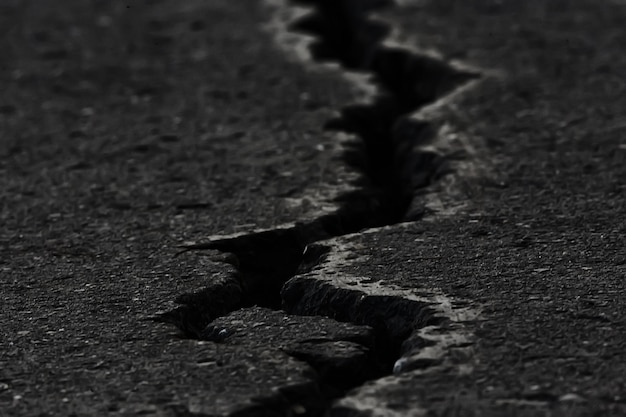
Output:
(128, 129)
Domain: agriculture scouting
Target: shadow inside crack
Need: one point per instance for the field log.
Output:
(262, 262)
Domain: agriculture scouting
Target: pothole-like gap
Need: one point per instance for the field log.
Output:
(392, 167)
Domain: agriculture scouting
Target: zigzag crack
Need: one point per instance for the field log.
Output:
(388, 153)
(392, 168)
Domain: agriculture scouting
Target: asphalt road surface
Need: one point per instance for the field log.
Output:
(313, 207)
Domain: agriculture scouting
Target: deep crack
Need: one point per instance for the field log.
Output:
(392, 168)
(388, 152)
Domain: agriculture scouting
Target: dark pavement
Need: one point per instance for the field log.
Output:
(126, 132)
(451, 244)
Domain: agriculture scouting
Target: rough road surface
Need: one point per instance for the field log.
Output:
(313, 208)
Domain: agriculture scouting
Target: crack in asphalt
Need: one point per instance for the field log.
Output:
(392, 166)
